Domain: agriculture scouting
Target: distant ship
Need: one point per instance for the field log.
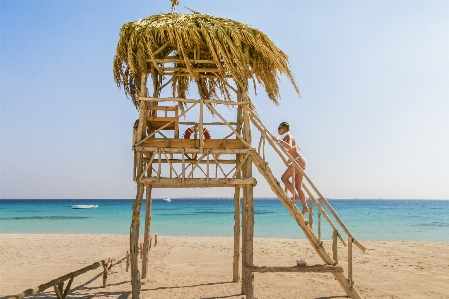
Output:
(84, 206)
(167, 199)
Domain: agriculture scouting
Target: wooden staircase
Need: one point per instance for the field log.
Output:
(330, 263)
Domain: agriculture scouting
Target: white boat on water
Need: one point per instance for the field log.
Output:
(167, 199)
(84, 206)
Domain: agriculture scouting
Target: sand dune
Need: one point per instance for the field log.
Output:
(201, 267)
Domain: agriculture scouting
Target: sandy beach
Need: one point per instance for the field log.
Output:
(201, 267)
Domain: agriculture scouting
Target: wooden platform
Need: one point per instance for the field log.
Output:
(195, 183)
(192, 143)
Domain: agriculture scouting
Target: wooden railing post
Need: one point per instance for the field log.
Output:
(351, 283)
(319, 220)
(334, 247)
(311, 212)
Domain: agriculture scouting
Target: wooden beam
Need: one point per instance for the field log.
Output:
(160, 49)
(231, 151)
(173, 59)
(315, 268)
(245, 142)
(148, 99)
(182, 74)
(180, 161)
(195, 183)
(217, 123)
(193, 70)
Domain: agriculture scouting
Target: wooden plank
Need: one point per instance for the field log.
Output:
(163, 108)
(193, 101)
(190, 143)
(180, 161)
(174, 59)
(178, 150)
(195, 183)
(193, 70)
(315, 268)
(216, 123)
(186, 74)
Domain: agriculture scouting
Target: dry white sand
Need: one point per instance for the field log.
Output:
(201, 267)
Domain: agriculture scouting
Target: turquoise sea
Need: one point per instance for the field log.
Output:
(412, 220)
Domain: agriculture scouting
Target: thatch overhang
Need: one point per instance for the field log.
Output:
(199, 48)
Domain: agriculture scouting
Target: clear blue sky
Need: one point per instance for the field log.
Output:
(373, 119)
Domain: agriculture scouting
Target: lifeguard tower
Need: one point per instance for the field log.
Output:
(175, 147)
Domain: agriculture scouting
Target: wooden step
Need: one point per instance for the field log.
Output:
(314, 268)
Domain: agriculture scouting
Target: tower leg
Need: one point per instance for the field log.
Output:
(235, 275)
(248, 234)
(134, 242)
(146, 238)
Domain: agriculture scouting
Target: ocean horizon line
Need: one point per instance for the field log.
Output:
(221, 198)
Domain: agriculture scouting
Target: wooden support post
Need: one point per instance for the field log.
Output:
(200, 128)
(59, 289)
(67, 288)
(248, 209)
(238, 173)
(146, 238)
(311, 213)
(334, 247)
(106, 266)
(319, 221)
(350, 282)
(134, 242)
(235, 275)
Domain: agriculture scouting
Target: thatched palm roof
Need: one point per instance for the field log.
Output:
(233, 49)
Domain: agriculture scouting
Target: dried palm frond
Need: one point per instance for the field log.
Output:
(235, 50)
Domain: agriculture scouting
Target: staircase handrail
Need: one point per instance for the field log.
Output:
(280, 149)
